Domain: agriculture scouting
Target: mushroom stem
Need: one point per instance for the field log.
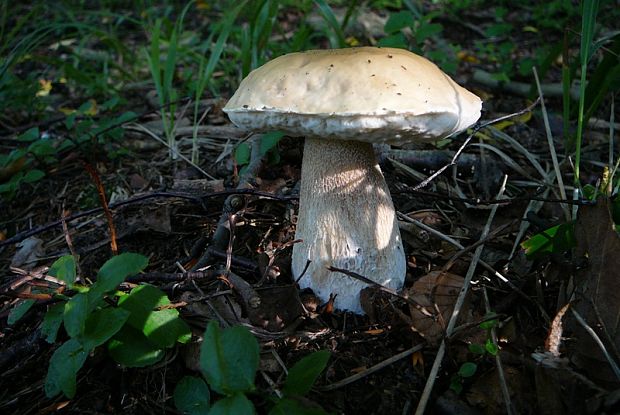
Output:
(346, 220)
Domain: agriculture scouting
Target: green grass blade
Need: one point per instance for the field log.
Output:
(337, 39)
(590, 8)
(566, 99)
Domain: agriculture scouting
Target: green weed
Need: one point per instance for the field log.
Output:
(229, 362)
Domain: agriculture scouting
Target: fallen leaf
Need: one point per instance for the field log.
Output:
(599, 292)
(437, 292)
(28, 252)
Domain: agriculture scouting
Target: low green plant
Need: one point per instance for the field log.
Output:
(26, 163)
(422, 28)
(268, 148)
(229, 360)
(136, 327)
(469, 369)
(206, 67)
(163, 77)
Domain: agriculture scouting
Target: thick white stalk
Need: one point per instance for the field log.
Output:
(346, 220)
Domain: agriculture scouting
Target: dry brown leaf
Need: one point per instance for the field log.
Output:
(554, 338)
(436, 292)
(600, 287)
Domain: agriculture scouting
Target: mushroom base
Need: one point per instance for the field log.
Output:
(346, 220)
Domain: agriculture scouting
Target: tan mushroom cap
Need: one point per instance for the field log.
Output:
(368, 94)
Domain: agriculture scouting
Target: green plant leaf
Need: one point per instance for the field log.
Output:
(304, 373)
(125, 117)
(287, 406)
(397, 40)
(162, 327)
(131, 348)
(237, 404)
(101, 325)
(191, 396)
(477, 348)
(19, 310)
(398, 21)
(33, 175)
(269, 141)
(64, 365)
(229, 359)
(42, 148)
(489, 324)
(30, 135)
(64, 269)
(113, 272)
(52, 321)
(427, 30)
(456, 384)
(491, 347)
(75, 314)
(468, 369)
(242, 154)
(554, 240)
(498, 29)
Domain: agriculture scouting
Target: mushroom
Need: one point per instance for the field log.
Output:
(343, 101)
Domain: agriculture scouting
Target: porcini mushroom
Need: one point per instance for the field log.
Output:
(343, 101)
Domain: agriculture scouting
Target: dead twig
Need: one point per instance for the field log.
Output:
(599, 342)
(476, 128)
(498, 361)
(104, 204)
(65, 230)
(371, 369)
(380, 287)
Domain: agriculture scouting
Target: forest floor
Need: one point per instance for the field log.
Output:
(475, 224)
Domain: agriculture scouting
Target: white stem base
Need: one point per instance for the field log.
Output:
(346, 220)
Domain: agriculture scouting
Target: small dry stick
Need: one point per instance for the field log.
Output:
(554, 157)
(599, 342)
(380, 287)
(371, 369)
(104, 204)
(498, 360)
(430, 382)
(65, 230)
(477, 128)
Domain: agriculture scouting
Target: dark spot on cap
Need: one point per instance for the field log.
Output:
(403, 67)
(384, 109)
(331, 64)
(246, 106)
(368, 60)
(390, 56)
(398, 93)
(307, 73)
(372, 75)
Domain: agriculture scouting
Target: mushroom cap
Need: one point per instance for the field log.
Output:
(368, 94)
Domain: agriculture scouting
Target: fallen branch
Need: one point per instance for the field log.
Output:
(521, 88)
